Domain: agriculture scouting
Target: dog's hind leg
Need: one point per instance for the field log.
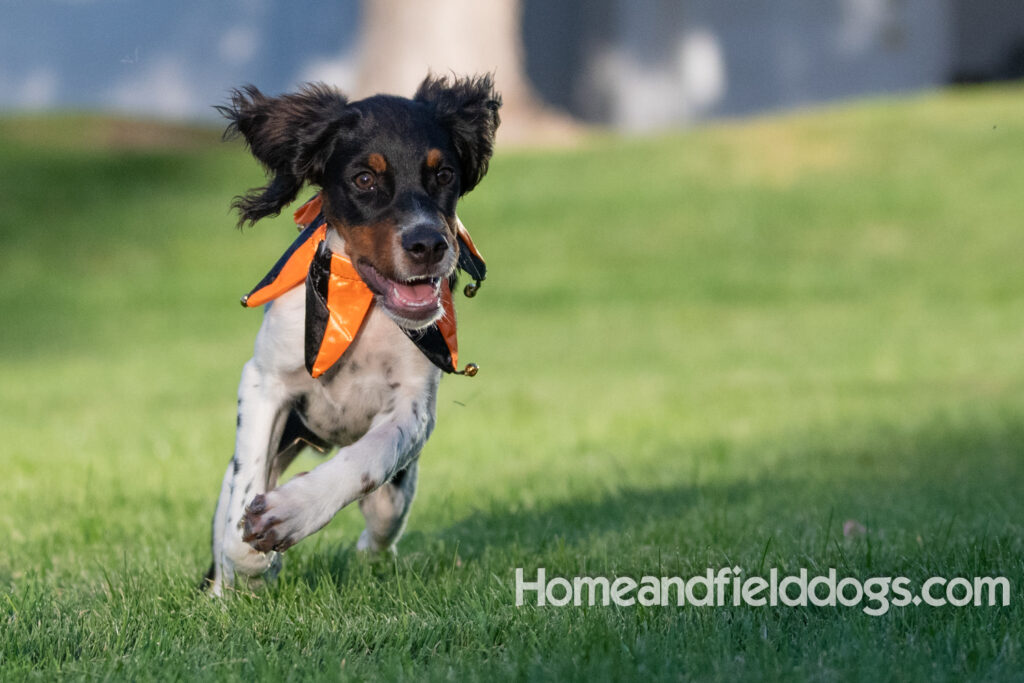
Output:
(262, 409)
(294, 439)
(386, 510)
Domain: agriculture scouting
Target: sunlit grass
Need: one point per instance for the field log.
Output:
(708, 349)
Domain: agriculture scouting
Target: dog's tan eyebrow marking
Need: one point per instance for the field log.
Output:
(377, 163)
(433, 158)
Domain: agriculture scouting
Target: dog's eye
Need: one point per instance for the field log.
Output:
(364, 181)
(445, 176)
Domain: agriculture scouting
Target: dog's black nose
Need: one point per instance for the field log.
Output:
(424, 244)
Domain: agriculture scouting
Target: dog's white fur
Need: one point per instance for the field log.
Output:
(377, 404)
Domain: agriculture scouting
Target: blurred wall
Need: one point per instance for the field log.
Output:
(634, 64)
(171, 59)
(988, 40)
(651, 63)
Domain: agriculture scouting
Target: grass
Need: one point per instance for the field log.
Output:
(716, 348)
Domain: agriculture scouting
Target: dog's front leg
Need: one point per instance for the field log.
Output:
(286, 515)
(262, 409)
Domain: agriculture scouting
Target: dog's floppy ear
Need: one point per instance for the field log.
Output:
(291, 135)
(468, 109)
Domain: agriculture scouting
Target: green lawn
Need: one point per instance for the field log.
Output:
(712, 349)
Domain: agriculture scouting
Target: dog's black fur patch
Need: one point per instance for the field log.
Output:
(296, 136)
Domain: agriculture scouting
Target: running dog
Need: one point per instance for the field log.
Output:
(350, 353)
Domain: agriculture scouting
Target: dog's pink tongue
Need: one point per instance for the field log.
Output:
(415, 294)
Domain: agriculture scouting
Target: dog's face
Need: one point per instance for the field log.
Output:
(390, 190)
(390, 169)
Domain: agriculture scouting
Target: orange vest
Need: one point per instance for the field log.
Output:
(337, 299)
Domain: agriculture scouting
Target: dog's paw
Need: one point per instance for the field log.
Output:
(367, 544)
(262, 529)
(276, 520)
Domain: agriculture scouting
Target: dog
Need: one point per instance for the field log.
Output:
(389, 171)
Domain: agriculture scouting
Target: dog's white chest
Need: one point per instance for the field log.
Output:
(382, 371)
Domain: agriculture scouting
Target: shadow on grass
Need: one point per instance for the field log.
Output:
(941, 469)
(944, 496)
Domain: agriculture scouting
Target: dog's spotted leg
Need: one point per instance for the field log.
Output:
(386, 510)
(283, 517)
(262, 409)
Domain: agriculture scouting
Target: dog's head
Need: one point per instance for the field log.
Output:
(390, 170)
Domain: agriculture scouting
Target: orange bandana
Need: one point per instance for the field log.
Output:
(337, 299)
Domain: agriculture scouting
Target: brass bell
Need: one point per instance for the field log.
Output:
(471, 289)
(469, 371)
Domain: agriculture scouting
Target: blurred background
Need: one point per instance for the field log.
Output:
(629, 64)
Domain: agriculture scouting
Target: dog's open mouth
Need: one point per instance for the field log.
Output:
(417, 300)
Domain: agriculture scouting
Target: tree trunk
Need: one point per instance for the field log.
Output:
(402, 40)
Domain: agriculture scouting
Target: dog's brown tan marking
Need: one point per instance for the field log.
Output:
(377, 163)
(434, 158)
(374, 244)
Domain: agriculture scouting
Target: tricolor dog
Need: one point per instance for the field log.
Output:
(358, 323)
